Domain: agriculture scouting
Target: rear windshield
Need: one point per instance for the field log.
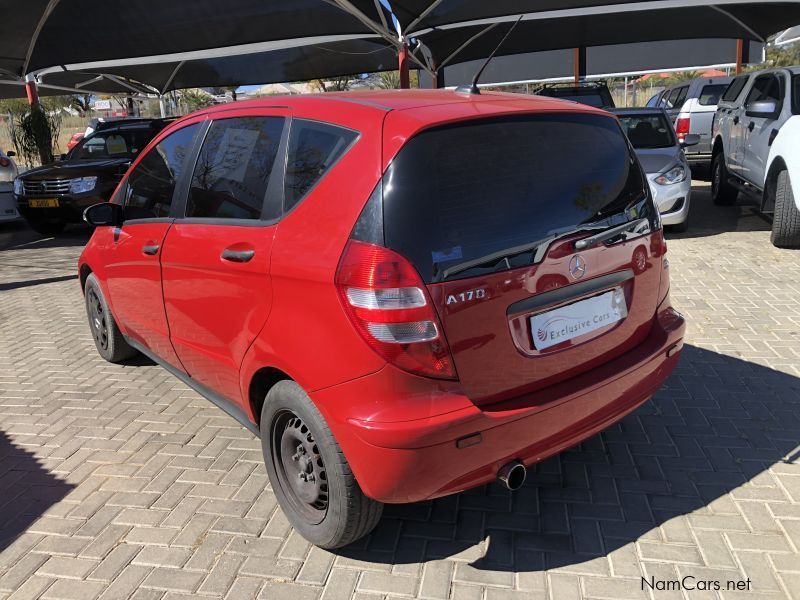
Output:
(460, 192)
(647, 130)
(710, 94)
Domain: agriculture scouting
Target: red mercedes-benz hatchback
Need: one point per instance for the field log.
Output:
(405, 294)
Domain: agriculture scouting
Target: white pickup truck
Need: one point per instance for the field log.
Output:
(757, 148)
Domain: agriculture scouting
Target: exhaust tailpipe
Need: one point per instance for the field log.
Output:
(512, 475)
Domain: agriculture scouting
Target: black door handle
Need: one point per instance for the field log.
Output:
(150, 249)
(238, 256)
(736, 120)
(751, 126)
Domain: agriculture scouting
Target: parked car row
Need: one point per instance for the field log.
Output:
(756, 148)
(51, 196)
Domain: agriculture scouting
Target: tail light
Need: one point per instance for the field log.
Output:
(387, 301)
(4, 162)
(682, 127)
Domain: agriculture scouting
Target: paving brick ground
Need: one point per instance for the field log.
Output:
(119, 482)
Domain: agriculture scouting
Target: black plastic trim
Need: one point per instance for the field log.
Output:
(219, 401)
(569, 292)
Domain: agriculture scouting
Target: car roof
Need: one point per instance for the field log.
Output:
(395, 100)
(641, 110)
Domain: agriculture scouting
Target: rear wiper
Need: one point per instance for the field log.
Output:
(539, 249)
(637, 227)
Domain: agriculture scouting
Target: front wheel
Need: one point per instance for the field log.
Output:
(722, 192)
(309, 474)
(786, 222)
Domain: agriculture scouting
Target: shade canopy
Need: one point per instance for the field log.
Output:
(180, 43)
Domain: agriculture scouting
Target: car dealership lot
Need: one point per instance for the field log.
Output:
(118, 478)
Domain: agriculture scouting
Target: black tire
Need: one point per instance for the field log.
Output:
(107, 336)
(48, 228)
(722, 192)
(314, 486)
(786, 222)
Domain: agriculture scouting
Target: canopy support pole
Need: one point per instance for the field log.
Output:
(739, 55)
(402, 65)
(579, 63)
(31, 90)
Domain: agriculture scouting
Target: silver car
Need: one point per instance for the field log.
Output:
(8, 172)
(661, 155)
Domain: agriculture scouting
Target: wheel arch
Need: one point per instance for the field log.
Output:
(260, 384)
(83, 274)
(776, 166)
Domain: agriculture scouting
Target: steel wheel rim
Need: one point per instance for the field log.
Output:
(97, 319)
(299, 466)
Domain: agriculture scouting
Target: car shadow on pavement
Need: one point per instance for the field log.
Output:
(717, 427)
(706, 219)
(27, 490)
(18, 235)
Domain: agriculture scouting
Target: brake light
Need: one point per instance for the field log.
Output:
(387, 301)
(682, 127)
(4, 162)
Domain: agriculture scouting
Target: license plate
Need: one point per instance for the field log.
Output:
(580, 318)
(44, 203)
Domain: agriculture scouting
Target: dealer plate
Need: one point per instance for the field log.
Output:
(580, 318)
(43, 203)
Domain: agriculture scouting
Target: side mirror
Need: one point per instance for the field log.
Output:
(763, 109)
(690, 139)
(103, 215)
(11, 154)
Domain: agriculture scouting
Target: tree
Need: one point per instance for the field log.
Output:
(195, 99)
(335, 84)
(82, 103)
(389, 80)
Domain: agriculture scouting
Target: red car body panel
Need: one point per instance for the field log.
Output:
(215, 308)
(225, 323)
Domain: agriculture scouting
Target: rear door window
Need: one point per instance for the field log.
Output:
(796, 94)
(734, 89)
(151, 185)
(710, 94)
(460, 192)
(314, 147)
(233, 169)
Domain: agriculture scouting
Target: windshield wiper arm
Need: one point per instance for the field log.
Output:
(593, 240)
(538, 247)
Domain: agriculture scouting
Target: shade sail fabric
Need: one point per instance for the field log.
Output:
(76, 31)
(181, 43)
(294, 64)
(600, 60)
(694, 22)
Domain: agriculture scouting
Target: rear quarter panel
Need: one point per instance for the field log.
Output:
(787, 148)
(308, 335)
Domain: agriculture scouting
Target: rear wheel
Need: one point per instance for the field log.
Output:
(107, 336)
(309, 474)
(722, 192)
(47, 227)
(786, 223)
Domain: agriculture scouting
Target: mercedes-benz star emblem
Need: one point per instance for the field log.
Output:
(577, 266)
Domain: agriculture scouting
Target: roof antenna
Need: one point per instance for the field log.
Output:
(473, 87)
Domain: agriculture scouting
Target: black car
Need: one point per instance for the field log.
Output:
(593, 93)
(51, 196)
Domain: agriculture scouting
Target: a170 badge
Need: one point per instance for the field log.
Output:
(467, 296)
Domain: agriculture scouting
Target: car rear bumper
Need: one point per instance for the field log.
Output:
(428, 454)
